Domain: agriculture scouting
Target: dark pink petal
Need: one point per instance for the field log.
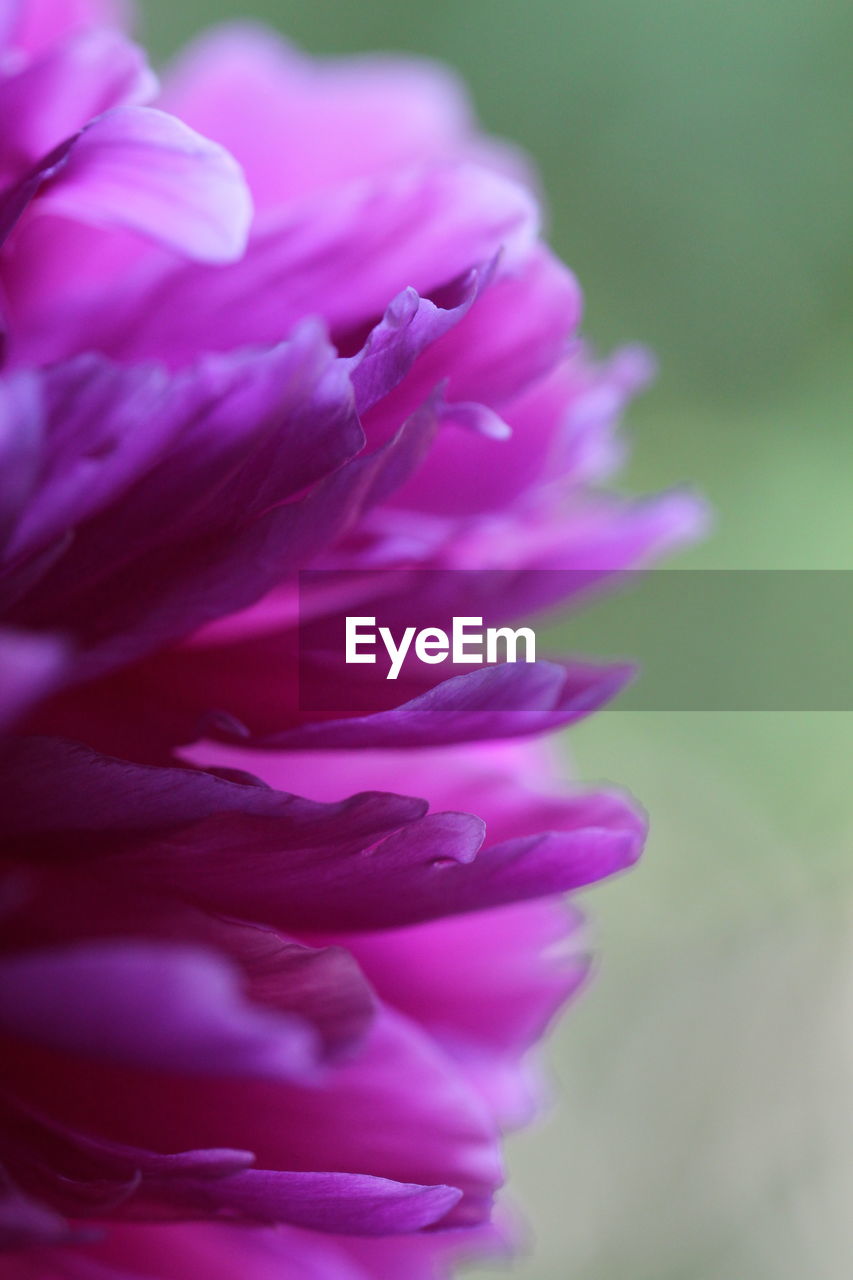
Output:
(31, 667)
(25, 1223)
(161, 1007)
(72, 798)
(88, 441)
(83, 1176)
(309, 864)
(324, 987)
(214, 1251)
(400, 1110)
(267, 691)
(317, 888)
(21, 448)
(86, 1177)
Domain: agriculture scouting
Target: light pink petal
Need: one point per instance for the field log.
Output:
(144, 170)
(57, 94)
(333, 121)
(33, 25)
(344, 258)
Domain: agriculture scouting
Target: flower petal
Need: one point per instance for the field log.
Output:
(57, 94)
(363, 115)
(343, 258)
(505, 701)
(145, 171)
(338, 1203)
(161, 1007)
(215, 1251)
(31, 666)
(78, 1173)
(371, 862)
(398, 1111)
(34, 25)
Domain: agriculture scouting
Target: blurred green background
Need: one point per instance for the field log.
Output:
(697, 160)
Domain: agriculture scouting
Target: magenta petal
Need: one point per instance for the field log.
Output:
(180, 486)
(220, 1000)
(370, 862)
(323, 986)
(161, 1007)
(486, 985)
(224, 439)
(410, 324)
(344, 259)
(506, 701)
(339, 1203)
(602, 834)
(167, 596)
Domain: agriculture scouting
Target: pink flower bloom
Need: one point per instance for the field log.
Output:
(264, 1011)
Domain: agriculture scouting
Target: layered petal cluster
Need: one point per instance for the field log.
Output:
(270, 978)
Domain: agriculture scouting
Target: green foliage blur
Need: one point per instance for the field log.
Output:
(696, 156)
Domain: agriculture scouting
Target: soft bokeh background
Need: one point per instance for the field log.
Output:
(697, 160)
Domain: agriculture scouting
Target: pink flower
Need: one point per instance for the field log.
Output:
(265, 1010)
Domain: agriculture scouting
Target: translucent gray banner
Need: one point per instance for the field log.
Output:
(712, 640)
(723, 640)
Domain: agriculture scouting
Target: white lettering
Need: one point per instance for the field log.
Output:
(461, 638)
(432, 645)
(511, 639)
(396, 653)
(354, 639)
